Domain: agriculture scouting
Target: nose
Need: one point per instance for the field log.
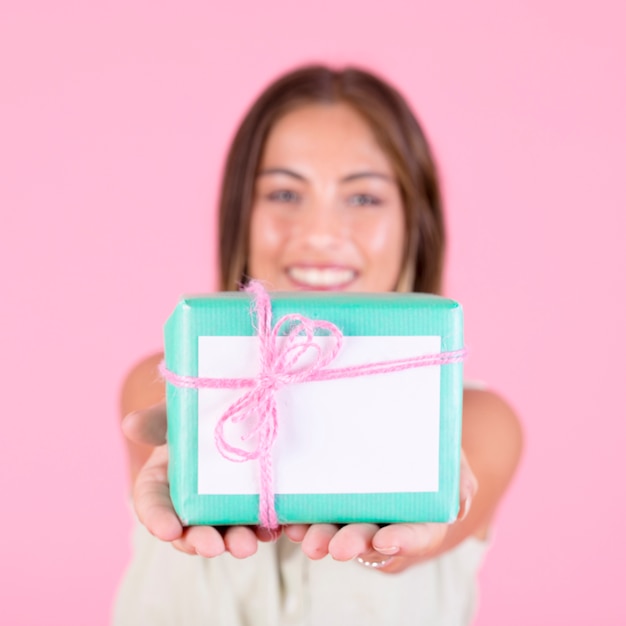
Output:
(322, 225)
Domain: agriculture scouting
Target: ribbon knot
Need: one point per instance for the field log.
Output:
(289, 354)
(270, 381)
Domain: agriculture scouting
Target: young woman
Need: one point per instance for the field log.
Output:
(329, 185)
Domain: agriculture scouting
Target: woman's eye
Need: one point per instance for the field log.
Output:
(363, 199)
(283, 195)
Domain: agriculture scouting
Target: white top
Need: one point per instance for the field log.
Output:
(279, 586)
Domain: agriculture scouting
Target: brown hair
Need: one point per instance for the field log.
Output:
(399, 135)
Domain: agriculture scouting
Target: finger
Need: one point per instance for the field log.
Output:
(241, 541)
(151, 496)
(351, 541)
(316, 540)
(409, 540)
(296, 532)
(148, 426)
(468, 486)
(204, 541)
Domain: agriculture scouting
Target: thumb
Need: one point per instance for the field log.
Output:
(147, 426)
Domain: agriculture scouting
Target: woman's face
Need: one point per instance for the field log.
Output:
(327, 211)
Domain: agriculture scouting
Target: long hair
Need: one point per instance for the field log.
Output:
(398, 133)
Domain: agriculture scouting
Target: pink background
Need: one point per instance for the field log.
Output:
(113, 128)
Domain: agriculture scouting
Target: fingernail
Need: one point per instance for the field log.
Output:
(388, 551)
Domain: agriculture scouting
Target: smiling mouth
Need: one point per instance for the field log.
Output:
(319, 278)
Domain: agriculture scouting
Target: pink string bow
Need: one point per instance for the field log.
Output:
(279, 367)
(281, 364)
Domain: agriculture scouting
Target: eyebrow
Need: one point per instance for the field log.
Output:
(346, 179)
(281, 170)
(358, 175)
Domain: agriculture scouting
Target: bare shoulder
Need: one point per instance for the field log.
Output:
(142, 386)
(492, 435)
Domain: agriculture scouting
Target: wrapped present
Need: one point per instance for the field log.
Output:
(306, 407)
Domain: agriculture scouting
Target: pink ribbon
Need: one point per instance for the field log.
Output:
(281, 366)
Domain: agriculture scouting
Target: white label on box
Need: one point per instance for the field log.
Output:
(369, 434)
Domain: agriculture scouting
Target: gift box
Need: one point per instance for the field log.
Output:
(375, 444)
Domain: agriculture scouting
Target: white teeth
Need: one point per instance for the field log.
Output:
(321, 277)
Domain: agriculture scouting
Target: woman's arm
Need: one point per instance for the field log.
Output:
(492, 442)
(142, 390)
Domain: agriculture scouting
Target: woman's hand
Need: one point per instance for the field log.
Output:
(492, 438)
(151, 495)
(391, 548)
(394, 547)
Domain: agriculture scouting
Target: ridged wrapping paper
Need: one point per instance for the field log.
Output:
(382, 448)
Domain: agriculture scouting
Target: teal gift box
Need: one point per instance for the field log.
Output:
(380, 448)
